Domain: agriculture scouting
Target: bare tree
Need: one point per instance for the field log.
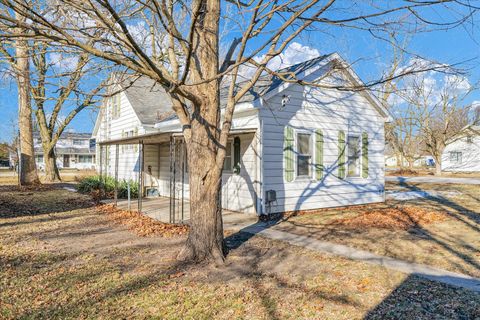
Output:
(61, 87)
(191, 70)
(21, 67)
(437, 112)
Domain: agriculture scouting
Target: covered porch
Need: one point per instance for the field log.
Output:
(161, 175)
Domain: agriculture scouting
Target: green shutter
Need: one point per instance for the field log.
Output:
(341, 154)
(365, 155)
(288, 154)
(318, 154)
(236, 155)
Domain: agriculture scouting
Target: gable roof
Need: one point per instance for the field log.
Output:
(68, 135)
(268, 83)
(147, 98)
(150, 100)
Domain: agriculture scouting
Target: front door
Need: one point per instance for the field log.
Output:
(66, 161)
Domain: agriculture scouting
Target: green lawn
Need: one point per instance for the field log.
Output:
(61, 259)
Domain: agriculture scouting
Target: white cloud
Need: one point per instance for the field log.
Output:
(293, 54)
(63, 62)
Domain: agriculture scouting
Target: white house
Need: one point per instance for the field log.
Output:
(292, 147)
(463, 155)
(73, 150)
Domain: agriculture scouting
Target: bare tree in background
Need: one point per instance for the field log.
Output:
(60, 86)
(438, 114)
(20, 65)
(192, 71)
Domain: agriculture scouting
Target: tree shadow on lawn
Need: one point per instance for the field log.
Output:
(412, 298)
(44, 199)
(245, 268)
(467, 217)
(417, 298)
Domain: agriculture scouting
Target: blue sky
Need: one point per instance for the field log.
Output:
(370, 55)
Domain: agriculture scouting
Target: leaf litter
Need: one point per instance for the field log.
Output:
(140, 224)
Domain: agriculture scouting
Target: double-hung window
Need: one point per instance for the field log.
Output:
(304, 154)
(354, 154)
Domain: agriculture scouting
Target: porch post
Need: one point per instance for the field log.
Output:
(101, 169)
(140, 177)
(174, 158)
(184, 156)
(171, 184)
(116, 175)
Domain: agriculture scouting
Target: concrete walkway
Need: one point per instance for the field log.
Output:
(433, 179)
(268, 230)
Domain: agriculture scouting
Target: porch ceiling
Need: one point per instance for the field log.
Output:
(160, 137)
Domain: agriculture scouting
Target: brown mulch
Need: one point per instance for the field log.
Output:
(140, 224)
(395, 218)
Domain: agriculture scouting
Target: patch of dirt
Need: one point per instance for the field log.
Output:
(395, 218)
(140, 224)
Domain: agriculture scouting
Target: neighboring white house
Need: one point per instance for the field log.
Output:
(463, 155)
(292, 147)
(419, 162)
(73, 150)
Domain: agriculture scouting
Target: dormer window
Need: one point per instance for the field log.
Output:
(469, 139)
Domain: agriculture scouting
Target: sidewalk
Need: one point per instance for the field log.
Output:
(268, 230)
(433, 179)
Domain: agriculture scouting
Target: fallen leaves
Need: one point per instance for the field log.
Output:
(140, 224)
(400, 218)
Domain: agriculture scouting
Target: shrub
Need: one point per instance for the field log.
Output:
(94, 184)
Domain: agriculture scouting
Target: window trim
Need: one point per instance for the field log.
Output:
(309, 176)
(360, 157)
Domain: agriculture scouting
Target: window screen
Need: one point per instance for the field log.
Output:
(304, 154)
(354, 154)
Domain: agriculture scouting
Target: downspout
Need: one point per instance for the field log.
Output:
(262, 178)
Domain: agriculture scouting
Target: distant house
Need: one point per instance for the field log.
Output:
(463, 155)
(292, 147)
(73, 150)
(419, 162)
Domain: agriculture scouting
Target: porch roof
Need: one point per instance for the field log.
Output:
(160, 137)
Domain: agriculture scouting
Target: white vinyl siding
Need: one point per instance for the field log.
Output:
(462, 155)
(331, 110)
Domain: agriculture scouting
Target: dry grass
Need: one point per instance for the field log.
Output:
(442, 232)
(71, 262)
(8, 177)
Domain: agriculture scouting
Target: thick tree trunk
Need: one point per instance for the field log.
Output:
(410, 164)
(438, 167)
(52, 173)
(27, 167)
(205, 240)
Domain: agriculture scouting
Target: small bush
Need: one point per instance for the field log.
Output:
(94, 185)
